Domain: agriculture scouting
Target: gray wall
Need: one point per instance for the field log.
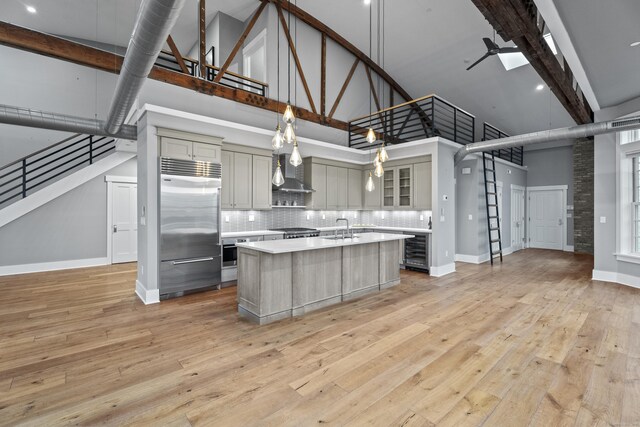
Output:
(605, 189)
(471, 234)
(70, 227)
(35, 81)
(552, 166)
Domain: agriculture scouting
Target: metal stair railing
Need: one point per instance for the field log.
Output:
(22, 177)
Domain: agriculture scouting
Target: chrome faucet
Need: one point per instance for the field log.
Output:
(349, 230)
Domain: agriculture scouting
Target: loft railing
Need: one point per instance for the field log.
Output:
(417, 119)
(513, 155)
(229, 78)
(22, 177)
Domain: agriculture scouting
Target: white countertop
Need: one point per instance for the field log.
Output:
(312, 243)
(226, 234)
(378, 227)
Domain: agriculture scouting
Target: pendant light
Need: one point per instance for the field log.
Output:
(288, 115)
(289, 135)
(382, 154)
(278, 178)
(277, 140)
(371, 135)
(369, 185)
(378, 171)
(296, 158)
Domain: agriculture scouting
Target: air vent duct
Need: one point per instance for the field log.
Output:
(574, 132)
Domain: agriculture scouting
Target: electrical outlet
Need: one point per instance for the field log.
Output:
(226, 218)
(382, 215)
(323, 216)
(252, 218)
(421, 217)
(603, 220)
(355, 215)
(308, 217)
(470, 217)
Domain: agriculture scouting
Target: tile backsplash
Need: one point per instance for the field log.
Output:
(298, 217)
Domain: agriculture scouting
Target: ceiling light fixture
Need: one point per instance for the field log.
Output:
(277, 141)
(31, 9)
(540, 87)
(288, 116)
(635, 44)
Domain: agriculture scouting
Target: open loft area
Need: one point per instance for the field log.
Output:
(345, 212)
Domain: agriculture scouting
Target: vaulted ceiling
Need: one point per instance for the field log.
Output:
(428, 45)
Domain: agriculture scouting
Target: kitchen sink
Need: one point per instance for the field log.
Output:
(355, 236)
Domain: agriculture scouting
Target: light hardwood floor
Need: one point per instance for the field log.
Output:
(531, 342)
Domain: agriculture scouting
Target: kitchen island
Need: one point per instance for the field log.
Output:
(284, 278)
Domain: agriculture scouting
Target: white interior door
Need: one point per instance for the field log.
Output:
(124, 233)
(546, 219)
(517, 219)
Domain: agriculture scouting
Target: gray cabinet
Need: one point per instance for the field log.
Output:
(176, 148)
(237, 176)
(398, 187)
(206, 152)
(315, 175)
(342, 190)
(355, 187)
(422, 182)
(261, 196)
(187, 146)
(372, 199)
(332, 188)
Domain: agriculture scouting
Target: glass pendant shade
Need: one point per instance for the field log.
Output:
(379, 171)
(296, 159)
(382, 154)
(278, 178)
(289, 135)
(369, 185)
(371, 136)
(277, 140)
(288, 115)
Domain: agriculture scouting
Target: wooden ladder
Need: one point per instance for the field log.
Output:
(491, 197)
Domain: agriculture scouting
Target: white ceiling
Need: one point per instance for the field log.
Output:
(429, 44)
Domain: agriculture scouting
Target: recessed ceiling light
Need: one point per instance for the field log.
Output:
(367, 2)
(539, 87)
(31, 9)
(634, 44)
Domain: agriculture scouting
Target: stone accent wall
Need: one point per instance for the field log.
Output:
(583, 195)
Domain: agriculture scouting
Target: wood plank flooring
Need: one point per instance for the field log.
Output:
(533, 341)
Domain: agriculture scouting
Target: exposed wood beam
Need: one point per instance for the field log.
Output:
(515, 20)
(373, 89)
(177, 55)
(344, 87)
(58, 48)
(202, 24)
(323, 75)
(240, 41)
(295, 57)
(324, 29)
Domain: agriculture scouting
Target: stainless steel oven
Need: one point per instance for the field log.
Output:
(230, 256)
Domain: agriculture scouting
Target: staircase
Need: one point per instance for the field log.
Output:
(493, 214)
(29, 174)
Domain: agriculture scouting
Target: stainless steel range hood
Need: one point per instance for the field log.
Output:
(291, 183)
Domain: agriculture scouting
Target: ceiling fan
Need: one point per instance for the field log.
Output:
(493, 49)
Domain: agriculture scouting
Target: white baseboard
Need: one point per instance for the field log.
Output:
(8, 270)
(614, 277)
(568, 248)
(479, 259)
(442, 270)
(147, 296)
(62, 186)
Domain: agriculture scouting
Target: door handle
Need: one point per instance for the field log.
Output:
(115, 228)
(190, 261)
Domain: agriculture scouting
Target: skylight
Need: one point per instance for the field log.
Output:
(515, 60)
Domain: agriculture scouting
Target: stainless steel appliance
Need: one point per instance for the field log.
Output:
(416, 252)
(230, 256)
(291, 183)
(190, 239)
(297, 232)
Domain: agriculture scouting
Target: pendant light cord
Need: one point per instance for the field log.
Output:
(289, 55)
(278, 68)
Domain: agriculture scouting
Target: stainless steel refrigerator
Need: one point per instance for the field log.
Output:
(190, 239)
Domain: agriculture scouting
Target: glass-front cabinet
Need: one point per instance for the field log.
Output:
(398, 187)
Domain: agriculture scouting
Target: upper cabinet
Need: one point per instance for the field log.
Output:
(398, 187)
(337, 187)
(246, 179)
(422, 184)
(372, 199)
(189, 146)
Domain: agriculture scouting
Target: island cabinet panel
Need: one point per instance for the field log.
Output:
(359, 270)
(317, 279)
(389, 271)
(264, 285)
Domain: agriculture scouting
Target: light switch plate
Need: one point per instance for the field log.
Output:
(470, 217)
(323, 216)
(382, 215)
(441, 218)
(603, 220)
(226, 218)
(421, 217)
(308, 217)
